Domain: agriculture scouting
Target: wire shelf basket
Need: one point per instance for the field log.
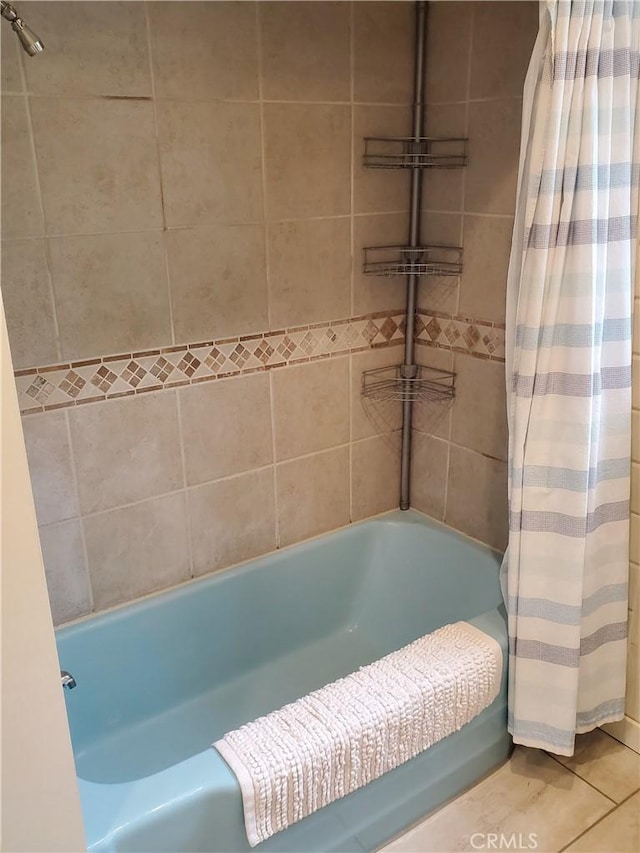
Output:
(407, 152)
(437, 260)
(428, 385)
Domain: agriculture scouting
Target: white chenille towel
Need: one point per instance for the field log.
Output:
(332, 741)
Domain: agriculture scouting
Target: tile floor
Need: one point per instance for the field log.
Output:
(589, 803)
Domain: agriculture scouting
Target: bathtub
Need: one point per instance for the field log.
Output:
(160, 679)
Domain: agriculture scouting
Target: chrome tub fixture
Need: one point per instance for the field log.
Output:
(30, 42)
(68, 680)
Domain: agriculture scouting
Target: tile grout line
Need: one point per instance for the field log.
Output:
(276, 512)
(591, 785)
(180, 584)
(91, 96)
(463, 201)
(80, 96)
(588, 782)
(233, 223)
(83, 535)
(458, 446)
(185, 487)
(371, 438)
(165, 247)
(44, 237)
(72, 235)
(178, 491)
(603, 817)
(263, 164)
(340, 446)
(466, 133)
(445, 497)
(629, 796)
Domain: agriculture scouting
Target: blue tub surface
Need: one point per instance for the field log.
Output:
(160, 679)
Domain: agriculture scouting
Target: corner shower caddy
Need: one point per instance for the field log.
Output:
(427, 386)
(409, 382)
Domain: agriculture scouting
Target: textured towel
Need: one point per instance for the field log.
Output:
(335, 740)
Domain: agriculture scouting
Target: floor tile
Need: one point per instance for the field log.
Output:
(619, 832)
(531, 794)
(605, 763)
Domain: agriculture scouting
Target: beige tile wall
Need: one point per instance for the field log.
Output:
(477, 62)
(170, 178)
(187, 177)
(140, 493)
(205, 181)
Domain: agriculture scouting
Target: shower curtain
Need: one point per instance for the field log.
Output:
(568, 367)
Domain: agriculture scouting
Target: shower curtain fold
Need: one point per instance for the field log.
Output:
(568, 371)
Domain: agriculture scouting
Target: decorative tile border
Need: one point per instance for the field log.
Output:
(479, 338)
(114, 376)
(110, 377)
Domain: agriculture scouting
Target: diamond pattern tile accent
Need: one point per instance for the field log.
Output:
(215, 360)
(62, 385)
(264, 351)
(499, 342)
(477, 337)
(370, 331)
(240, 356)
(103, 378)
(489, 344)
(40, 389)
(286, 347)
(72, 384)
(339, 342)
(433, 329)
(350, 336)
(133, 373)
(162, 369)
(188, 364)
(452, 333)
(471, 336)
(388, 328)
(309, 343)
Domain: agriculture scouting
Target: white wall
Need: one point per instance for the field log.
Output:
(40, 807)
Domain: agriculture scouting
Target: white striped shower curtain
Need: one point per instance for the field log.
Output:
(569, 308)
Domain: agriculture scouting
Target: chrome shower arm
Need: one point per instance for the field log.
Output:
(8, 12)
(30, 42)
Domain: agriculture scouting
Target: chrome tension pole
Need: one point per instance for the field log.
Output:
(409, 369)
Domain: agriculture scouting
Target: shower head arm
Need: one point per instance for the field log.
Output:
(30, 42)
(8, 12)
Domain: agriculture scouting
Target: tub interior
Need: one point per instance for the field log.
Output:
(160, 680)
